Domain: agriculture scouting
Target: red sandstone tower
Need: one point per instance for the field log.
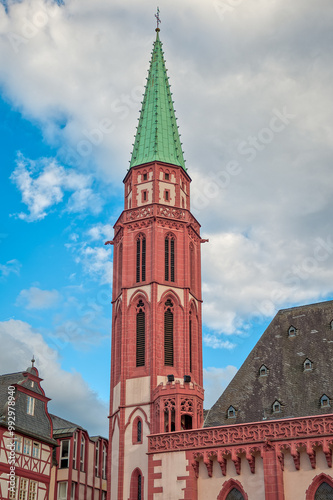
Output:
(156, 365)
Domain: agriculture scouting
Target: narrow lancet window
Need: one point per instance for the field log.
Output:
(140, 258)
(140, 334)
(169, 251)
(168, 334)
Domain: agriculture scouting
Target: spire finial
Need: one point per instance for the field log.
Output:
(158, 20)
(33, 361)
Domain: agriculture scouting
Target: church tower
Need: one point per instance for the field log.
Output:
(156, 363)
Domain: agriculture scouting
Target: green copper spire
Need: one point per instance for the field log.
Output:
(157, 137)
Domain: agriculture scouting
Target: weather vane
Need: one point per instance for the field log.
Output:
(158, 18)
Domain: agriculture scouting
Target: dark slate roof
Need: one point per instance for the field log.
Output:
(37, 425)
(62, 426)
(297, 390)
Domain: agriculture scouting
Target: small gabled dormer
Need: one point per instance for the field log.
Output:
(276, 407)
(263, 371)
(325, 401)
(307, 365)
(292, 331)
(231, 412)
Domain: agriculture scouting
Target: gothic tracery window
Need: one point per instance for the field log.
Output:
(169, 415)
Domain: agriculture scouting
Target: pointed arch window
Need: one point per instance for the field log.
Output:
(140, 334)
(168, 333)
(141, 258)
(234, 494)
(324, 492)
(136, 488)
(169, 250)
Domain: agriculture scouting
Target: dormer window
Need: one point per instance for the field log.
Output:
(325, 401)
(231, 413)
(331, 325)
(30, 405)
(276, 407)
(292, 331)
(263, 371)
(307, 365)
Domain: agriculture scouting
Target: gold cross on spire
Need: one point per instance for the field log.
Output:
(158, 20)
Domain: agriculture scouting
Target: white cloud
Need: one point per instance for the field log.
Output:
(215, 381)
(43, 184)
(265, 212)
(35, 298)
(71, 396)
(11, 266)
(212, 340)
(100, 232)
(96, 262)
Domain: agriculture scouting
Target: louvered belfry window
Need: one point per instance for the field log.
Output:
(168, 333)
(190, 340)
(140, 258)
(169, 250)
(140, 334)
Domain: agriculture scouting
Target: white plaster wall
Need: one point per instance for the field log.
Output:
(132, 291)
(253, 484)
(171, 188)
(178, 291)
(137, 392)
(114, 463)
(143, 187)
(136, 454)
(173, 465)
(129, 200)
(116, 397)
(296, 482)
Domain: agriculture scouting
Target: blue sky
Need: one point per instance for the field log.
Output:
(252, 90)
